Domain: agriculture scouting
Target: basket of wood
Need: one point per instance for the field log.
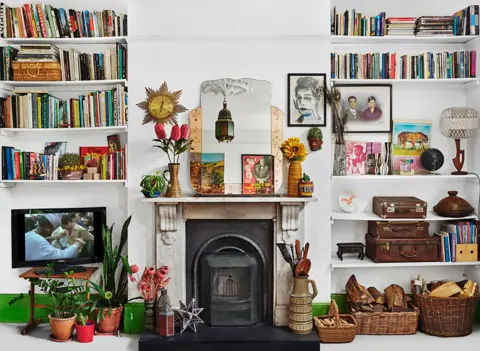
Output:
(390, 313)
(447, 308)
(335, 328)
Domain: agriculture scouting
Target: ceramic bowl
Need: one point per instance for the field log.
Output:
(351, 204)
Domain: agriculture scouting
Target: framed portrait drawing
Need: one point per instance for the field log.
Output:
(257, 174)
(367, 107)
(306, 104)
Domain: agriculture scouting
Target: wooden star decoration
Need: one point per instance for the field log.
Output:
(187, 316)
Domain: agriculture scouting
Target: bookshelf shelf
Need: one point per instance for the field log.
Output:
(474, 81)
(11, 183)
(407, 178)
(369, 216)
(354, 262)
(391, 39)
(17, 131)
(64, 41)
(75, 83)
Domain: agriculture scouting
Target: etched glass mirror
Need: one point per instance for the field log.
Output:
(236, 136)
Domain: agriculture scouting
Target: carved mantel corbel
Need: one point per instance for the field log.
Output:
(290, 221)
(166, 223)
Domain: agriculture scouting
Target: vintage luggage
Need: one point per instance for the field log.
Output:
(37, 71)
(403, 250)
(398, 229)
(399, 207)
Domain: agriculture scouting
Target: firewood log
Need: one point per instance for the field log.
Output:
(446, 290)
(357, 293)
(377, 295)
(395, 297)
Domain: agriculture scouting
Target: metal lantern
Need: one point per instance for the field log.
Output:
(166, 321)
(224, 126)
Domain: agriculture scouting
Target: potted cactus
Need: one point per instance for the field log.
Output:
(306, 186)
(70, 167)
(152, 185)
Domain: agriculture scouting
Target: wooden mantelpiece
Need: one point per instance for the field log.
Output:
(171, 215)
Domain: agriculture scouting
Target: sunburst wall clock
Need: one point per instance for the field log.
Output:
(162, 105)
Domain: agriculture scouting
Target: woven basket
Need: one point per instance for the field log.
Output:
(387, 323)
(450, 316)
(37, 71)
(337, 333)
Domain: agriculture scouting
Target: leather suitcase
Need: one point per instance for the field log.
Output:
(399, 207)
(398, 229)
(403, 250)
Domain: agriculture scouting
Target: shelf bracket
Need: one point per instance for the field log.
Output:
(331, 267)
(332, 220)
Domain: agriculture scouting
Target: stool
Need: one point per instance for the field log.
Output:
(344, 248)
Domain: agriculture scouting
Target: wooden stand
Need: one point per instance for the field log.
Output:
(31, 275)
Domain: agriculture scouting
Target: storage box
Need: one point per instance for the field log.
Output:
(399, 207)
(400, 229)
(37, 71)
(467, 252)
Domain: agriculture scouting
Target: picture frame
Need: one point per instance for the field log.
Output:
(358, 101)
(257, 178)
(306, 103)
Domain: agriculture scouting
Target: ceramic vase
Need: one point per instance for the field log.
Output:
(300, 306)
(149, 316)
(173, 188)
(294, 178)
(339, 164)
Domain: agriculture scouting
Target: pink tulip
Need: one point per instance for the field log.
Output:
(160, 131)
(175, 134)
(132, 278)
(134, 268)
(185, 131)
(151, 271)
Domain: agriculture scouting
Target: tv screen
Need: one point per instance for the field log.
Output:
(67, 235)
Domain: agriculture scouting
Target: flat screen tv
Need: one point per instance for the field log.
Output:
(63, 236)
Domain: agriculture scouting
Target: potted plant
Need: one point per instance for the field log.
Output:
(152, 185)
(85, 328)
(70, 167)
(306, 186)
(296, 153)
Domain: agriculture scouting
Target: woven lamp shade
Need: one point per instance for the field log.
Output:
(459, 122)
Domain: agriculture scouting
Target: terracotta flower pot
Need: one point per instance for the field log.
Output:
(62, 328)
(306, 189)
(110, 324)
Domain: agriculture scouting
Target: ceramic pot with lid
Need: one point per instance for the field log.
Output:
(453, 206)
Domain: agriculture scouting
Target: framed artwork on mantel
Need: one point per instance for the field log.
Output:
(306, 104)
(257, 174)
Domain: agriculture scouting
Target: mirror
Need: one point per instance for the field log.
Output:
(236, 137)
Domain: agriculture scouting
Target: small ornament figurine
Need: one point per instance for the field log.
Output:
(315, 139)
(166, 321)
(64, 123)
(187, 316)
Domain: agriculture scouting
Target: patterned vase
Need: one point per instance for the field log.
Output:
(149, 316)
(294, 178)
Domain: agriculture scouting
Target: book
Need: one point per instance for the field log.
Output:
(113, 142)
(55, 148)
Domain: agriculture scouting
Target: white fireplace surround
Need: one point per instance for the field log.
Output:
(171, 215)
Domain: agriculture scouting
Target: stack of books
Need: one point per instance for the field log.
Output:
(465, 22)
(38, 53)
(354, 23)
(401, 26)
(428, 26)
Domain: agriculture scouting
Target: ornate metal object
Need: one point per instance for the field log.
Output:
(187, 316)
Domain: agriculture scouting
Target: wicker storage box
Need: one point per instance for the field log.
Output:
(338, 333)
(37, 71)
(387, 323)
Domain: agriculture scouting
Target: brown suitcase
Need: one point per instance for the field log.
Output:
(399, 207)
(403, 250)
(398, 229)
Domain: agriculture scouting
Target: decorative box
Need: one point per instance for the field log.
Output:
(37, 71)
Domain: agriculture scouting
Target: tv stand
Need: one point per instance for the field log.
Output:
(60, 269)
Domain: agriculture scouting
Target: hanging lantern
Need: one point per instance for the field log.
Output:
(224, 126)
(166, 321)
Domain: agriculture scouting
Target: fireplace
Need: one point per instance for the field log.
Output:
(229, 270)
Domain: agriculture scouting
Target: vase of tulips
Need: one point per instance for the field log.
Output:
(174, 146)
(295, 152)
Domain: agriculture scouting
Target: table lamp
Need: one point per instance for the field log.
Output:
(459, 123)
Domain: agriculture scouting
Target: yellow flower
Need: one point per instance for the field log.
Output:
(294, 150)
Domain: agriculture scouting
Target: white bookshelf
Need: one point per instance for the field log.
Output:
(470, 81)
(370, 216)
(12, 183)
(30, 131)
(64, 41)
(428, 177)
(400, 39)
(10, 84)
(350, 261)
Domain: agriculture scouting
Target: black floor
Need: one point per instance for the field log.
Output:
(258, 338)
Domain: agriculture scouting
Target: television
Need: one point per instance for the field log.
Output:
(64, 237)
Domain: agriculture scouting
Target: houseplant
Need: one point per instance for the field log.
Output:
(70, 167)
(306, 186)
(85, 328)
(295, 152)
(152, 185)
(173, 146)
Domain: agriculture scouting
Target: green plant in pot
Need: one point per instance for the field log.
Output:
(70, 167)
(85, 327)
(306, 186)
(152, 185)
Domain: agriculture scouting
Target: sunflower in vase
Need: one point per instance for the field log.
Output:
(295, 152)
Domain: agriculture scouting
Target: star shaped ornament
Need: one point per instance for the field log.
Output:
(187, 316)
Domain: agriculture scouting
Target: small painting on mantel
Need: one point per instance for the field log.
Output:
(409, 139)
(257, 174)
(306, 104)
(212, 173)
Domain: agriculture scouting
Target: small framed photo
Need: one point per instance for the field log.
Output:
(367, 107)
(257, 174)
(306, 104)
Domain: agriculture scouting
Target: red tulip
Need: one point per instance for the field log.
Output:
(151, 271)
(134, 268)
(160, 131)
(185, 131)
(175, 134)
(132, 278)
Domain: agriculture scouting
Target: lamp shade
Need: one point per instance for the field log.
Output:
(224, 126)
(459, 122)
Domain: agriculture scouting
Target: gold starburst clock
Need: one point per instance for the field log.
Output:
(162, 105)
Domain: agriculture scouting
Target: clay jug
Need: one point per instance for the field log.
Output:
(300, 317)
(173, 188)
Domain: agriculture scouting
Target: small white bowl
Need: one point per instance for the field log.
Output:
(351, 204)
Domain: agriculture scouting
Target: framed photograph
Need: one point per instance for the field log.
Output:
(257, 174)
(306, 105)
(368, 107)
(409, 139)
(212, 173)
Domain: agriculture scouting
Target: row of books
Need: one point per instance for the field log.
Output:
(39, 109)
(353, 23)
(454, 234)
(445, 65)
(46, 21)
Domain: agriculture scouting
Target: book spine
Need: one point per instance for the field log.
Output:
(4, 163)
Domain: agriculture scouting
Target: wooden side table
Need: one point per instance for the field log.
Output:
(30, 275)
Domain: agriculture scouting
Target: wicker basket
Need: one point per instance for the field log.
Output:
(450, 316)
(37, 71)
(387, 323)
(337, 333)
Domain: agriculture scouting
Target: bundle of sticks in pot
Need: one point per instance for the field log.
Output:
(298, 259)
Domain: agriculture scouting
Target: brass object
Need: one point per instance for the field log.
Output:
(453, 206)
(173, 189)
(386, 246)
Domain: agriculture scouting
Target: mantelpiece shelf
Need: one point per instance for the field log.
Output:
(59, 41)
(391, 39)
(229, 199)
(369, 216)
(399, 177)
(16, 131)
(354, 262)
